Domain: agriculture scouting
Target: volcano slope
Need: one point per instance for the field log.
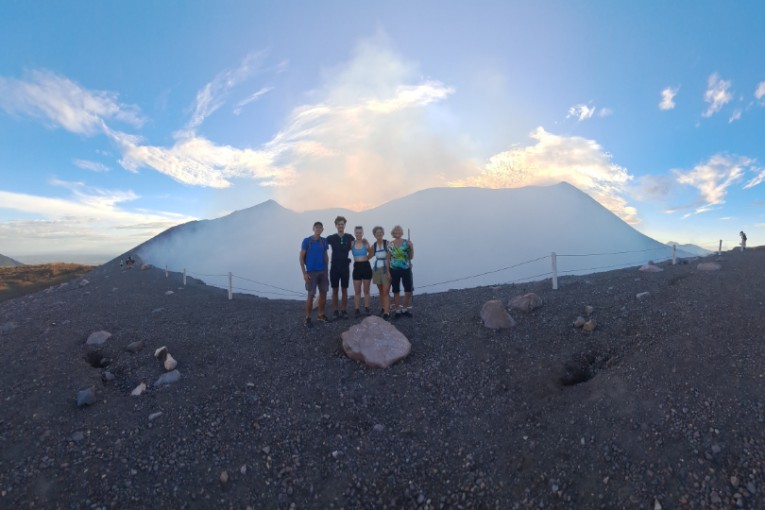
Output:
(660, 406)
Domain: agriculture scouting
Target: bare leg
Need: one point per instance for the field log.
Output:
(407, 298)
(367, 283)
(357, 293)
(322, 302)
(386, 298)
(334, 298)
(396, 300)
(345, 299)
(309, 305)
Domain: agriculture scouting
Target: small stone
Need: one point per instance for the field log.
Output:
(154, 416)
(715, 498)
(266, 450)
(169, 292)
(751, 488)
(379, 427)
(170, 363)
(223, 477)
(243, 469)
(734, 481)
(335, 454)
(138, 390)
(642, 295)
(159, 353)
(716, 448)
(588, 310)
(250, 384)
(98, 337)
(107, 376)
(579, 322)
(77, 436)
(590, 325)
(86, 397)
(656, 504)
(135, 347)
(168, 378)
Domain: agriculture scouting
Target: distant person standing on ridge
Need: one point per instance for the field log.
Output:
(743, 240)
(339, 270)
(313, 265)
(381, 270)
(401, 253)
(362, 270)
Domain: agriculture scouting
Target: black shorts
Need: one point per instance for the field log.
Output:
(362, 270)
(401, 275)
(339, 274)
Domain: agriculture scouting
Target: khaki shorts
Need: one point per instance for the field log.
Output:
(380, 277)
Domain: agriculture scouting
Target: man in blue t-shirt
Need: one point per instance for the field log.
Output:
(313, 265)
(339, 271)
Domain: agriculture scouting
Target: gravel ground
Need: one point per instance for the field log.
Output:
(660, 407)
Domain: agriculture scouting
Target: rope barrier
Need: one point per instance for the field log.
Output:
(291, 292)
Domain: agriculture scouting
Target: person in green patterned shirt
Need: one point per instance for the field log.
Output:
(401, 254)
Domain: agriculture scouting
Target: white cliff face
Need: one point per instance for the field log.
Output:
(463, 237)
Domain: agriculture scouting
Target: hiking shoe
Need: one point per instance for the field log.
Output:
(358, 313)
(386, 317)
(335, 315)
(407, 313)
(344, 315)
(323, 318)
(367, 311)
(307, 322)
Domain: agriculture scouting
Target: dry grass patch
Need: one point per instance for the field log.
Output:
(22, 280)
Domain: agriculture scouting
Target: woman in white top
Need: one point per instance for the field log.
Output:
(381, 270)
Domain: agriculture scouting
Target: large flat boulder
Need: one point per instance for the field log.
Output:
(375, 342)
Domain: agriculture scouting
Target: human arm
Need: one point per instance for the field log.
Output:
(302, 265)
(411, 250)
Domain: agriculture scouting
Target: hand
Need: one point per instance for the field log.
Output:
(306, 277)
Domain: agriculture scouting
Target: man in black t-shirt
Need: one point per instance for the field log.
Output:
(339, 269)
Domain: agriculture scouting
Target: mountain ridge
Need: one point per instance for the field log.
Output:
(464, 237)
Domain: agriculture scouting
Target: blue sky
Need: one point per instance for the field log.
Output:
(120, 119)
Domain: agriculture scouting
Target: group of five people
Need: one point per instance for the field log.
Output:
(392, 269)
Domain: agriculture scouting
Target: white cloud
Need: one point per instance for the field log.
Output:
(212, 95)
(713, 178)
(62, 102)
(554, 158)
(93, 166)
(249, 99)
(736, 115)
(668, 98)
(90, 220)
(759, 94)
(757, 180)
(605, 112)
(581, 112)
(717, 94)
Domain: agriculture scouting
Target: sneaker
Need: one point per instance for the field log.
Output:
(344, 315)
(386, 317)
(407, 313)
(367, 310)
(358, 313)
(307, 322)
(398, 313)
(335, 315)
(323, 318)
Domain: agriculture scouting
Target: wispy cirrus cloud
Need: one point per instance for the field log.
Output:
(554, 158)
(213, 95)
(668, 98)
(717, 94)
(712, 180)
(61, 102)
(93, 166)
(759, 92)
(252, 97)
